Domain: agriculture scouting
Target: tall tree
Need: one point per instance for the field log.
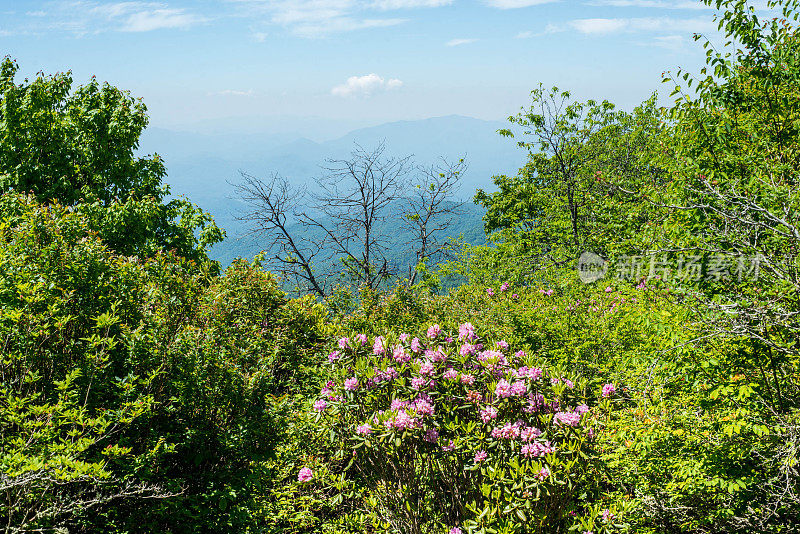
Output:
(581, 186)
(77, 147)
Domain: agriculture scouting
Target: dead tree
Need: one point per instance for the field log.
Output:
(273, 213)
(343, 220)
(430, 211)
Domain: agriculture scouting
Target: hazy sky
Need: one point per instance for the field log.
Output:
(364, 60)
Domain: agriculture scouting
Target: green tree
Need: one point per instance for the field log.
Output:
(580, 189)
(139, 394)
(77, 148)
(733, 158)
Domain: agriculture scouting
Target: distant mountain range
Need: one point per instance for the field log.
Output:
(202, 165)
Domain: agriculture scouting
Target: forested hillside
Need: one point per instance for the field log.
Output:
(616, 352)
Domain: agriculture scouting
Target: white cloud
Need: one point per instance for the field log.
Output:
(675, 43)
(320, 18)
(409, 4)
(553, 28)
(83, 17)
(341, 25)
(602, 26)
(524, 35)
(759, 5)
(598, 26)
(365, 85)
(158, 19)
(663, 4)
(456, 42)
(514, 4)
(232, 92)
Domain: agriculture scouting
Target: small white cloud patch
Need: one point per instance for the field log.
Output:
(232, 92)
(365, 85)
(157, 19)
(515, 4)
(456, 42)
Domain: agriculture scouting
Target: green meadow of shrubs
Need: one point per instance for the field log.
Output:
(144, 389)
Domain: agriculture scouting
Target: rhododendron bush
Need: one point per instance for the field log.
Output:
(454, 430)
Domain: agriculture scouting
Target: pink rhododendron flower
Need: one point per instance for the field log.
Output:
(529, 433)
(466, 331)
(398, 404)
(467, 379)
(417, 382)
(490, 355)
(344, 343)
(364, 430)
(434, 331)
(488, 413)
(455, 530)
(402, 420)
(361, 338)
(520, 354)
(450, 374)
(423, 407)
(438, 355)
(416, 346)
(480, 456)
(490, 291)
(568, 383)
(384, 376)
(609, 389)
(519, 388)
(607, 515)
(432, 435)
(507, 431)
(504, 286)
(320, 405)
(351, 384)
(543, 474)
(449, 447)
(536, 449)
(305, 475)
(400, 355)
(503, 389)
(582, 409)
(502, 344)
(333, 356)
(567, 418)
(466, 349)
(379, 348)
(426, 368)
(609, 290)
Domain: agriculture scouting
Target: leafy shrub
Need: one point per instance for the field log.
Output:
(124, 379)
(462, 432)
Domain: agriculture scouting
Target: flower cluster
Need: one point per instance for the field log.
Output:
(478, 402)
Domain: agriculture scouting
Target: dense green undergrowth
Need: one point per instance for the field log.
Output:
(142, 389)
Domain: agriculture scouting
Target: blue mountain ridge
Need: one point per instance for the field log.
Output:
(203, 165)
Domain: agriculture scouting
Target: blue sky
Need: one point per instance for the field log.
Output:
(361, 60)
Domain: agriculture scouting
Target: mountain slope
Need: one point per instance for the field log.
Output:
(202, 166)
